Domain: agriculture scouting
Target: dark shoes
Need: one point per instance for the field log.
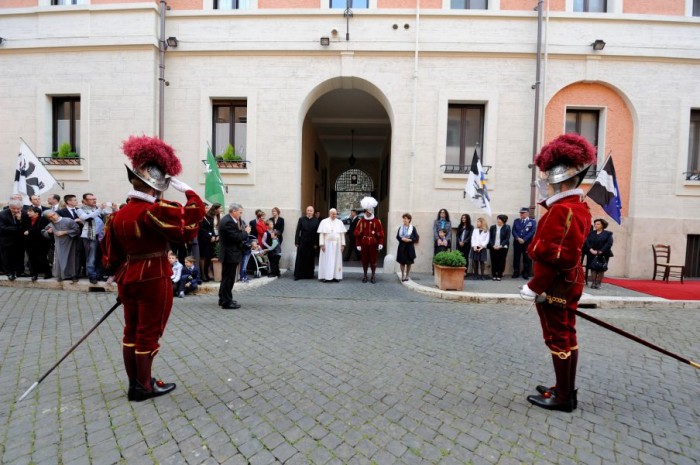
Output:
(75, 279)
(549, 391)
(34, 278)
(93, 280)
(515, 275)
(372, 280)
(232, 306)
(138, 393)
(552, 402)
(11, 276)
(364, 280)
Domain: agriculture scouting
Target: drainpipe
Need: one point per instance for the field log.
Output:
(161, 65)
(535, 132)
(415, 112)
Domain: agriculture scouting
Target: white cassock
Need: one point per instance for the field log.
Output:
(332, 235)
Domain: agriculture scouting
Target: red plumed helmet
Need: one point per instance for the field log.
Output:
(152, 160)
(565, 157)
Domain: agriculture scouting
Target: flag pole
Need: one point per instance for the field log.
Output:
(34, 153)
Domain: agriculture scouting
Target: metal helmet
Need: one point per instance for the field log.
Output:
(153, 161)
(566, 156)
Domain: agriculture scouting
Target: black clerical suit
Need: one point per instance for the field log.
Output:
(306, 240)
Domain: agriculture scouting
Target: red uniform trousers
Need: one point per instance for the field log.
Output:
(147, 306)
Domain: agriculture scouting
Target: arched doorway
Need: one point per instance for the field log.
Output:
(346, 131)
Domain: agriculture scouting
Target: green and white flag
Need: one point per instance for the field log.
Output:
(213, 185)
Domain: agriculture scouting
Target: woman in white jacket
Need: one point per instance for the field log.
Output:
(480, 242)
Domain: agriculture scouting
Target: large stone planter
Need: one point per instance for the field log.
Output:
(449, 278)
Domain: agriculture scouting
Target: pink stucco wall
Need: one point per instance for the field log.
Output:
(528, 5)
(429, 4)
(18, 3)
(288, 4)
(104, 2)
(655, 7)
(619, 129)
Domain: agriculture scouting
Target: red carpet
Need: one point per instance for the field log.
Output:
(673, 290)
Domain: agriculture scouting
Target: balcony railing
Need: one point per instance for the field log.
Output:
(54, 161)
(692, 175)
(461, 169)
(230, 164)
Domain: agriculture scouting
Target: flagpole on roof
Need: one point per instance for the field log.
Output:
(60, 184)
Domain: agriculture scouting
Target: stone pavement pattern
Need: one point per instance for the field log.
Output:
(351, 373)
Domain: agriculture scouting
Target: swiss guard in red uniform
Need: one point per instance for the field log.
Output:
(135, 249)
(369, 237)
(558, 278)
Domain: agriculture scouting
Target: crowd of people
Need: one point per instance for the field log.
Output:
(478, 243)
(62, 239)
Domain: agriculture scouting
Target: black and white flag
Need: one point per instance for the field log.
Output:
(605, 192)
(31, 178)
(476, 185)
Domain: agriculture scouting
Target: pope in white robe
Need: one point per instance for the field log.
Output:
(332, 242)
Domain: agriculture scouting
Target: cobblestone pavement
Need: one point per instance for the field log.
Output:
(307, 372)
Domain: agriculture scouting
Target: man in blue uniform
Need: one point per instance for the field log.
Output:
(523, 230)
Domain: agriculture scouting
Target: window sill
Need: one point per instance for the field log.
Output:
(691, 183)
(245, 170)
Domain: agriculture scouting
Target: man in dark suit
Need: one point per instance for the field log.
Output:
(232, 235)
(12, 239)
(351, 250)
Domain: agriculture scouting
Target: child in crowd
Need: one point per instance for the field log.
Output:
(442, 244)
(259, 254)
(274, 253)
(191, 277)
(178, 288)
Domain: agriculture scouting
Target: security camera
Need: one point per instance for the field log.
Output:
(334, 31)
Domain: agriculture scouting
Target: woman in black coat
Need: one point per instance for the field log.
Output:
(406, 253)
(464, 237)
(277, 223)
(499, 238)
(207, 238)
(598, 249)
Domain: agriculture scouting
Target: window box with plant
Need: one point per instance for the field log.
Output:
(64, 156)
(230, 159)
(449, 270)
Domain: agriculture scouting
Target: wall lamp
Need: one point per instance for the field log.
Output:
(171, 41)
(325, 41)
(1, 40)
(598, 45)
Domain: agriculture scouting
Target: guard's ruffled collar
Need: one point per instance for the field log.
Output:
(141, 196)
(561, 195)
(370, 217)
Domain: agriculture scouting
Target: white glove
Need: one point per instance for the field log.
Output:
(179, 185)
(380, 247)
(359, 248)
(527, 293)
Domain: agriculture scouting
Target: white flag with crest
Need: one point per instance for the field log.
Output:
(31, 178)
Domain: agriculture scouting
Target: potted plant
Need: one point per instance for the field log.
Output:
(449, 270)
(65, 155)
(230, 159)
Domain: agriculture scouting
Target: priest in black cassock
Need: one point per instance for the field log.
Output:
(306, 241)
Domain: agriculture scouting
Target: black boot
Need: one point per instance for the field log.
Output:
(560, 397)
(147, 387)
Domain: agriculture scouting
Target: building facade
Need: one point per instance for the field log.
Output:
(321, 104)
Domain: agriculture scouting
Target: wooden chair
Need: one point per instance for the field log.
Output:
(662, 265)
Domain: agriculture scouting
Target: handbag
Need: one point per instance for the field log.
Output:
(600, 263)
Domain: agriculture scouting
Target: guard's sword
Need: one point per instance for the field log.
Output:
(638, 339)
(33, 386)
